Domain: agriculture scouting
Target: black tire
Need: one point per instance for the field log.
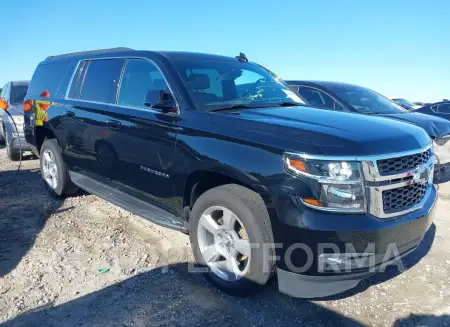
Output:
(252, 212)
(64, 187)
(13, 154)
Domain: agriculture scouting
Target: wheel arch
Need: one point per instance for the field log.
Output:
(42, 133)
(200, 181)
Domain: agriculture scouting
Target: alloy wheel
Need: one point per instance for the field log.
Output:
(50, 169)
(224, 244)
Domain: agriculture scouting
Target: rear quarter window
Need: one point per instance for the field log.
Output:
(51, 77)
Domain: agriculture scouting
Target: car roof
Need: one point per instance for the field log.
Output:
(122, 51)
(20, 83)
(194, 55)
(326, 84)
(441, 102)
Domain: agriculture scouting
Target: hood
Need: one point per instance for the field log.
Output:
(435, 126)
(334, 133)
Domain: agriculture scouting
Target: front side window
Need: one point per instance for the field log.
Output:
(101, 80)
(365, 100)
(18, 93)
(222, 84)
(317, 98)
(139, 77)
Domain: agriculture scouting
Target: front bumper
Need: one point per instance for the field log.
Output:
(334, 252)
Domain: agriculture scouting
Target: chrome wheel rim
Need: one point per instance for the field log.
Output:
(223, 243)
(49, 169)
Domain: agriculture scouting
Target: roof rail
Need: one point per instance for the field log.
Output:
(89, 52)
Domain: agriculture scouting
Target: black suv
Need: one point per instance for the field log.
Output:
(222, 149)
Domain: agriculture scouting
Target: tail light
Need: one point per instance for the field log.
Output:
(27, 105)
(45, 94)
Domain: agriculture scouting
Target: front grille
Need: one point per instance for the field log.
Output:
(403, 198)
(399, 165)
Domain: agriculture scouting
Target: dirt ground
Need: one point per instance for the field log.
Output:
(85, 262)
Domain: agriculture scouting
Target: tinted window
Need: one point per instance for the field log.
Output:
(101, 80)
(318, 98)
(294, 88)
(139, 77)
(444, 108)
(365, 100)
(48, 77)
(219, 84)
(77, 81)
(18, 93)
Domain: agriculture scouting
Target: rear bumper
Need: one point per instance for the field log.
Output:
(19, 143)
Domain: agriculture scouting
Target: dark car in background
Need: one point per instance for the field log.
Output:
(11, 132)
(442, 110)
(439, 109)
(356, 99)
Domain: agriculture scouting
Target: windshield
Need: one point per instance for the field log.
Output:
(366, 101)
(220, 84)
(405, 103)
(18, 93)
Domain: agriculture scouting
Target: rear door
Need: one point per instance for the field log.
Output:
(93, 92)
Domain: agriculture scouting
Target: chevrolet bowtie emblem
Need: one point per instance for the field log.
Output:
(421, 175)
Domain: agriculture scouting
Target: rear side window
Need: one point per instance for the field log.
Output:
(444, 108)
(51, 77)
(101, 80)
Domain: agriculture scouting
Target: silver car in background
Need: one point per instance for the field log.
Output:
(12, 134)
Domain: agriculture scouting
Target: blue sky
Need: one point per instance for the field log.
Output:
(399, 48)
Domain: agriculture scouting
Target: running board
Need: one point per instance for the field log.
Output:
(128, 202)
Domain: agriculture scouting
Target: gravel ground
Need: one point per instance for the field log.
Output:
(84, 262)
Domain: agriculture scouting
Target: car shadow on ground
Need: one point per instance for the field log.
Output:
(168, 296)
(25, 206)
(172, 296)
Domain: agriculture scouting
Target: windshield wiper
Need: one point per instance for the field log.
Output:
(234, 106)
(289, 104)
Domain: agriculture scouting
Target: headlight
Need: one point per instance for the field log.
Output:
(338, 184)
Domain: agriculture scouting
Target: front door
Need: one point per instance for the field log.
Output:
(138, 149)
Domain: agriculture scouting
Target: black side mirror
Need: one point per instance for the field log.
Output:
(158, 99)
